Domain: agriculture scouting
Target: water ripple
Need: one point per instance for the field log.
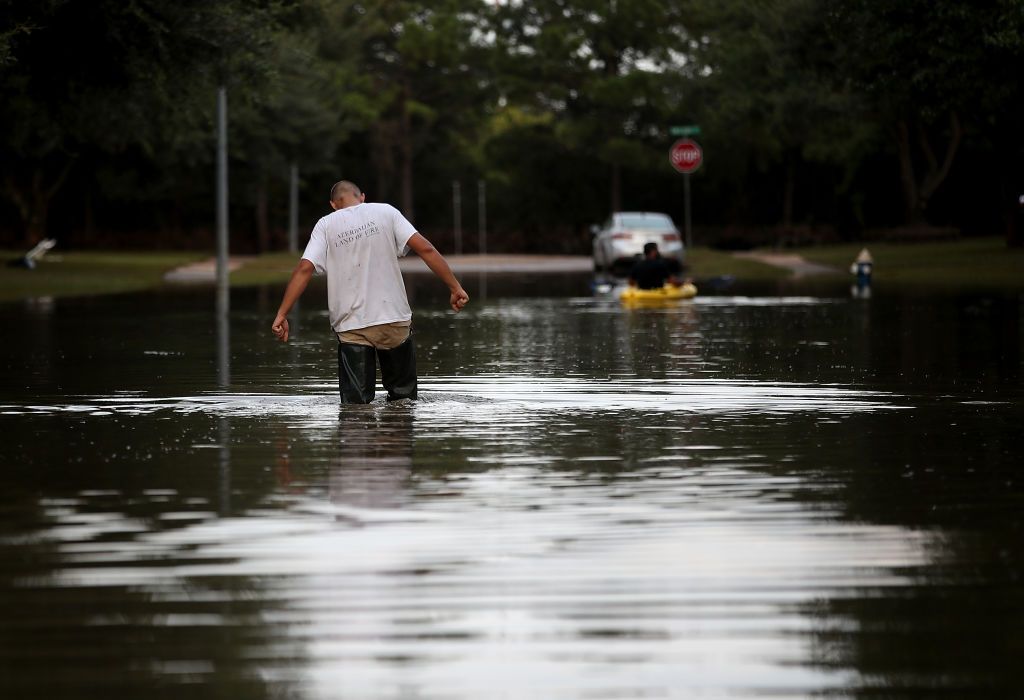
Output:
(505, 394)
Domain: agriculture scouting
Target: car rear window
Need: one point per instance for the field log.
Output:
(650, 222)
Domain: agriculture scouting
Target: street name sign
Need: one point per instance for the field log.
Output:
(688, 130)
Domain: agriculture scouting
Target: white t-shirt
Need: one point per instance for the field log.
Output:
(358, 249)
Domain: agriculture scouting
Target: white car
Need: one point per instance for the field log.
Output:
(620, 242)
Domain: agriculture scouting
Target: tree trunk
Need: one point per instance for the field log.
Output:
(937, 172)
(911, 210)
(89, 217)
(788, 192)
(32, 199)
(35, 228)
(381, 146)
(917, 194)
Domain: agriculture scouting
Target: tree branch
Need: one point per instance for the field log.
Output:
(926, 148)
(907, 170)
(937, 176)
(57, 183)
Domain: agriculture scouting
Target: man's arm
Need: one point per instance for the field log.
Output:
(674, 272)
(296, 286)
(439, 266)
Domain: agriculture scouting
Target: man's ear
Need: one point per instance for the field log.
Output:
(334, 206)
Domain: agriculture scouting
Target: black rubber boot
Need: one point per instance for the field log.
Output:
(398, 370)
(357, 373)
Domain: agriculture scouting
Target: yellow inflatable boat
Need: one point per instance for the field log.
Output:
(669, 292)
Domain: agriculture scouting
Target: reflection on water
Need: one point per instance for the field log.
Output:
(374, 463)
(742, 496)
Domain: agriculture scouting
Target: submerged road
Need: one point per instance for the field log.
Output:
(205, 271)
(506, 263)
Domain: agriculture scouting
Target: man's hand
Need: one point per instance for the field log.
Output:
(296, 285)
(280, 328)
(459, 299)
(439, 266)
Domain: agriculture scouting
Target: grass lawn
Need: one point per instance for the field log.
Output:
(85, 273)
(705, 263)
(269, 268)
(970, 263)
(973, 262)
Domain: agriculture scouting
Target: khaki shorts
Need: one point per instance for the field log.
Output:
(383, 337)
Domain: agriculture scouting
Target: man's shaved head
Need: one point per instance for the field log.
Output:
(342, 187)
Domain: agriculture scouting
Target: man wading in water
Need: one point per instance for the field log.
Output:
(358, 247)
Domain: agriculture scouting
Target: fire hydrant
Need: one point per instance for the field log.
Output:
(862, 268)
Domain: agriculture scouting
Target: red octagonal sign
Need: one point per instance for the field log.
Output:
(685, 155)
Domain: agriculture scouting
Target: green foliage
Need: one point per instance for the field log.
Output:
(92, 81)
(603, 70)
(846, 113)
(929, 74)
(418, 80)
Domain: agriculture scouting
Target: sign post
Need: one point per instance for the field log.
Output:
(223, 291)
(457, 215)
(293, 209)
(686, 156)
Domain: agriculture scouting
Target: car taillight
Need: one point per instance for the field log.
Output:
(620, 235)
(669, 237)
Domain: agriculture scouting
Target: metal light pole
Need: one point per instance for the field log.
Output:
(457, 215)
(222, 201)
(293, 210)
(481, 188)
(223, 297)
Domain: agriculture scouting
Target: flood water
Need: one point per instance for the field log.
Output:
(774, 492)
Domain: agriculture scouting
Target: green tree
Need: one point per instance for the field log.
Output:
(106, 77)
(603, 69)
(927, 72)
(420, 73)
(297, 117)
(762, 79)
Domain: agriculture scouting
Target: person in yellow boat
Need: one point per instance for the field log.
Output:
(653, 271)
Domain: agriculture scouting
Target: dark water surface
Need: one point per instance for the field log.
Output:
(767, 494)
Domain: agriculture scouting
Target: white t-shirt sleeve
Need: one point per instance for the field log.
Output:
(316, 249)
(403, 231)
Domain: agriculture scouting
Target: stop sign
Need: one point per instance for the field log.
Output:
(685, 155)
